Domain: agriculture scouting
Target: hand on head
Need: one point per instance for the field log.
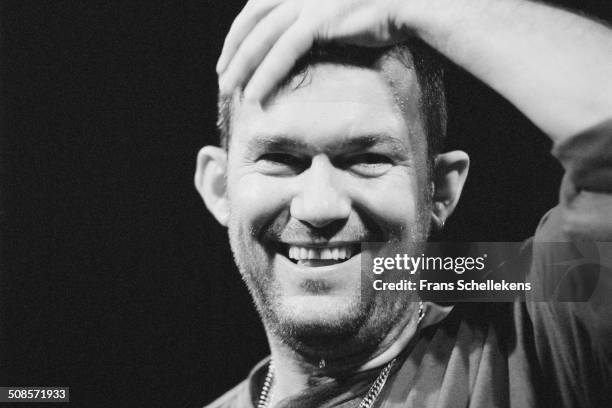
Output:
(269, 36)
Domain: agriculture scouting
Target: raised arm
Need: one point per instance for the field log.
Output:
(553, 65)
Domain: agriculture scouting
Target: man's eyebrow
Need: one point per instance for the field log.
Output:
(276, 142)
(374, 140)
(350, 143)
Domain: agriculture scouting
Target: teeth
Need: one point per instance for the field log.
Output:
(302, 253)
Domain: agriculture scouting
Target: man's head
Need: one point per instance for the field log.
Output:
(340, 154)
(415, 56)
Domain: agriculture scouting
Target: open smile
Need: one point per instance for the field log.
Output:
(319, 255)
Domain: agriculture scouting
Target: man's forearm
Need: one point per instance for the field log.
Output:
(555, 66)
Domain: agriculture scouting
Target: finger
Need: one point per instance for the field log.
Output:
(294, 43)
(244, 22)
(256, 45)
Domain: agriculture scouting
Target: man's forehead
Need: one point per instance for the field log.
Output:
(337, 98)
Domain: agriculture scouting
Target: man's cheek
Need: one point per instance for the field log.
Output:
(393, 210)
(392, 196)
(257, 198)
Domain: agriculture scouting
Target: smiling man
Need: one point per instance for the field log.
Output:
(338, 157)
(346, 150)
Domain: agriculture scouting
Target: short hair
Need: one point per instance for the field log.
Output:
(413, 54)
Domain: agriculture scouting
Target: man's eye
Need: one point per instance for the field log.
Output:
(281, 163)
(369, 164)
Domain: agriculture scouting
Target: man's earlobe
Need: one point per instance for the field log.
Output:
(210, 175)
(450, 173)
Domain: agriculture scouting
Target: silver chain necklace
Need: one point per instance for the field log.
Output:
(367, 402)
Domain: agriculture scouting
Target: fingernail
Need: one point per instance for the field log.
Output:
(250, 94)
(219, 67)
(222, 85)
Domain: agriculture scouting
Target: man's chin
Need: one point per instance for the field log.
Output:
(323, 312)
(320, 325)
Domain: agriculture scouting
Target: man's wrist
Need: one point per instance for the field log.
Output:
(429, 19)
(440, 22)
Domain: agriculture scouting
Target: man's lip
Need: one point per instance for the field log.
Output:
(319, 245)
(300, 272)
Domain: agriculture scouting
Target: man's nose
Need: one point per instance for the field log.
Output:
(321, 197)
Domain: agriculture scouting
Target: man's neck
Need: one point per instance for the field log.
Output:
(293, 373)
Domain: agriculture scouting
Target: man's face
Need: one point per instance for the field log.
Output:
(317, 171)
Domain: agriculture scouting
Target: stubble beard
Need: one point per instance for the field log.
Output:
(353, 334)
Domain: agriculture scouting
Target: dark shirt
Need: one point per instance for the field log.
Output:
(520, 354)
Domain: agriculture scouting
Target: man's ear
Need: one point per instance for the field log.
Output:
(450, 173)
(210, 182)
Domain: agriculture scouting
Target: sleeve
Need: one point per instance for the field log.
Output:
(586, 191)
(573, 327)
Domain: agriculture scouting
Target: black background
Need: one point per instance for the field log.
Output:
(115, 280)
